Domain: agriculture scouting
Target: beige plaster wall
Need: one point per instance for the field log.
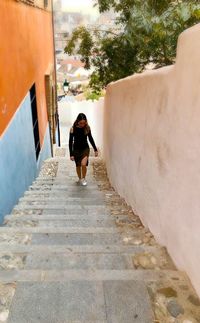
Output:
(152, 150)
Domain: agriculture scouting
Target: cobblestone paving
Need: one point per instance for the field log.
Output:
(72, 254)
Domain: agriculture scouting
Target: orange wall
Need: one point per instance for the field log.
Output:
(26, 51)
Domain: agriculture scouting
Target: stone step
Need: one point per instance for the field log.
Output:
(62, 203)
(65, 188)
(48, 222)
(17, 212)
(36, 237)
(64, 236)
(62, 217)
(59, 230)
(50, 259)
(76, 249)
(62, 194)
(64, 261)
(92, 208)
(81, 301)
(70, 171)
(60, 200)
(72, 176)
(76, 195)
(60, 210)
(68, 181)
(58, 258)
(10, 276)
(77, 238)
(72, 181)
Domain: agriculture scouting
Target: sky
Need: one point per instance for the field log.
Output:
(85, 6)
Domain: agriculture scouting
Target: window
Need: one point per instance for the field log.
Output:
(46, 3)
(35, 120)
(42, 4)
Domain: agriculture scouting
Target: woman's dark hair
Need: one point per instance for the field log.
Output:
(79, 118)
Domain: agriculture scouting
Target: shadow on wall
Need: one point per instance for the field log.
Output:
(154, 163)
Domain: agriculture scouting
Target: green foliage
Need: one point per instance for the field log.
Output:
(146, 32)
(93, 96)
(81, 43)
(157, 34)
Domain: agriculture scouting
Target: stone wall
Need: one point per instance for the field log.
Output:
(152, 150)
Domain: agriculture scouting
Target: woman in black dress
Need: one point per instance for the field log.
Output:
(79, 148)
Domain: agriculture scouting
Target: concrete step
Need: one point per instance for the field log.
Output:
(61, 230)
(69, 171)
(62, 180)
(50, 259)
(88, 275)
(68, 185)
(67, 177)
(60, 222)
(63, 236)
(77, 238)
(51, 202)
(67, 236)
(62, 194)
(62, 209)
(71, 206)
(75, 249)
(59, 217)
(54, 200)
(68, 211)
(64, 188)
(76, 195)
(64, 261)
(81, 302)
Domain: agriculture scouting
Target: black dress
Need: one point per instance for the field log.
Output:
(78, 144)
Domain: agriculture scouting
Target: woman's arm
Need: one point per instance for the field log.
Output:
(71, 141)
(92, 141)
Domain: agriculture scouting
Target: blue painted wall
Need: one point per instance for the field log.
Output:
(18, 165)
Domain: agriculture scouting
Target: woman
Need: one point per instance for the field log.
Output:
(79, 148)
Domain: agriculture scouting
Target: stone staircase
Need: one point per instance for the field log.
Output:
(72, 254)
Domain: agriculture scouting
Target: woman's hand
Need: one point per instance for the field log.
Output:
(96, 153)
(72, 158)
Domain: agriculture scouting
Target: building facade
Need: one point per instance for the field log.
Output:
(27, 95)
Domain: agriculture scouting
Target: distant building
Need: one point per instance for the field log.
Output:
(27, 95)
(65, 23)
(105, 21)
(57, 4)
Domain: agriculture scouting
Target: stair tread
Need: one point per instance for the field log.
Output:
(86, 275)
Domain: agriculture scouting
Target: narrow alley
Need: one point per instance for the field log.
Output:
(116, 84)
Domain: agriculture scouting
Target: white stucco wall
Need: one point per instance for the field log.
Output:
(93, 110)
(152, 150)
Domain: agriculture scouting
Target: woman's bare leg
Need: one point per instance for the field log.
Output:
(78, 170)
(84, 167)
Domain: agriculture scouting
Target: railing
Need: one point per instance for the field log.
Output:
(42, 4)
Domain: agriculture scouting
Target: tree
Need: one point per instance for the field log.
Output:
(145, 32)
(157, 29)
